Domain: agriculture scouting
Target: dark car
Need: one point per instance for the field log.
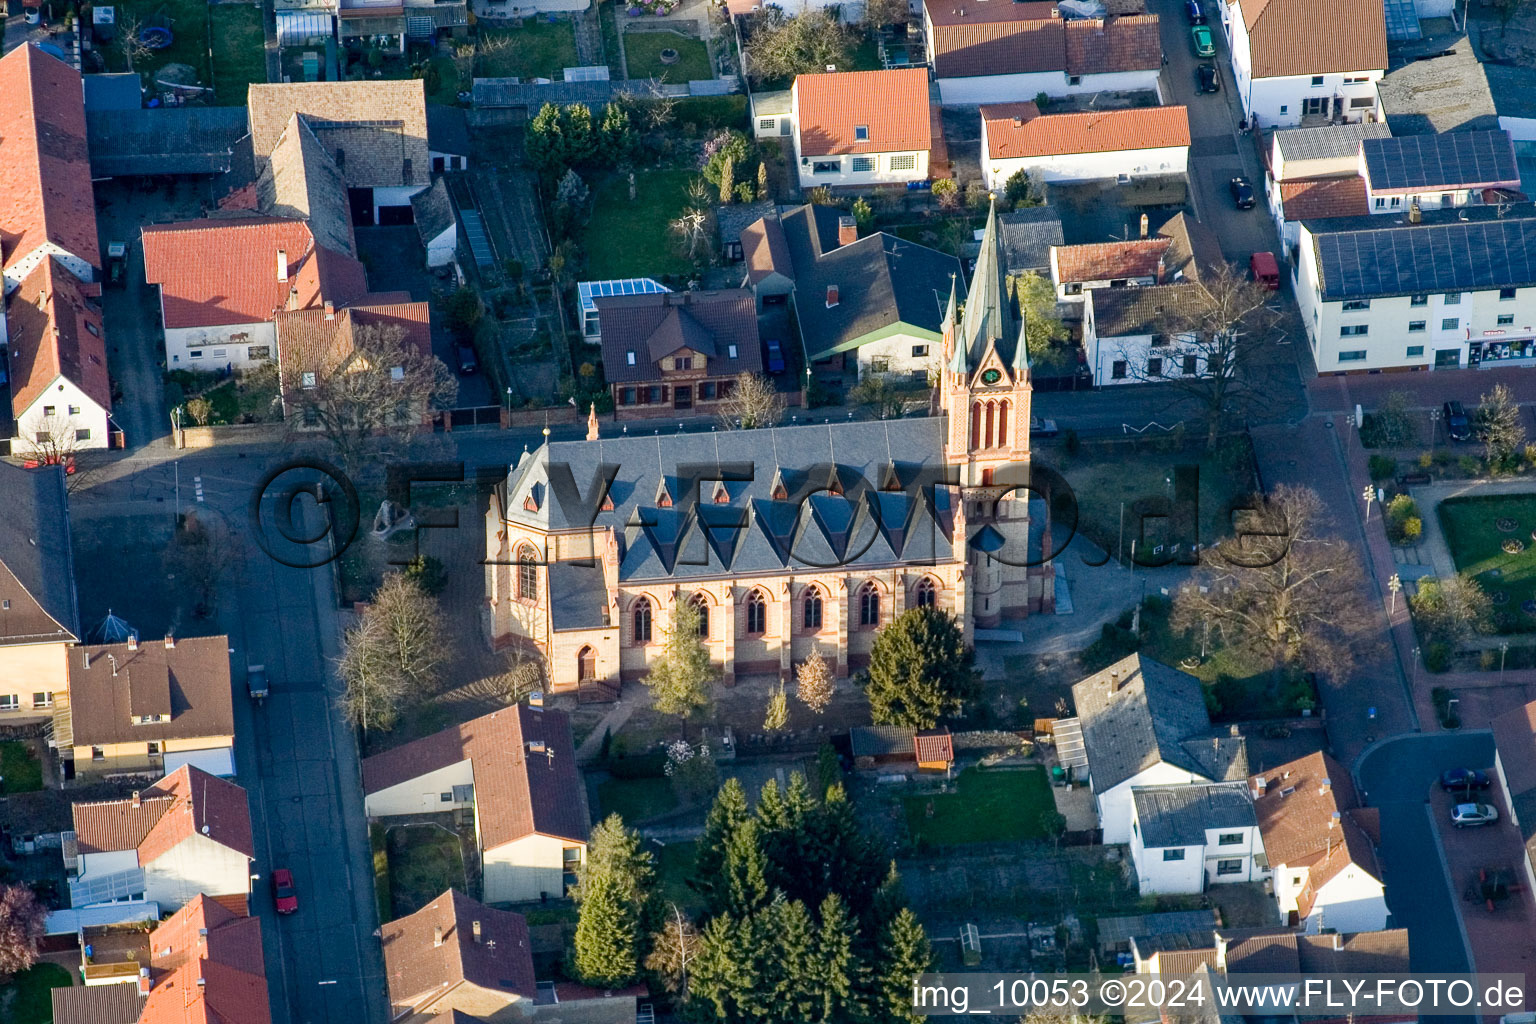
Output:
(284, 896)
(1242, 193)
(1464, 778)
(1043, 428)
(1206, 78)
(1193, 12)
(1458, 426)
(775, 356)
(468, 362)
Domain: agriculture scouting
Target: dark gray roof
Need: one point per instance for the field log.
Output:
(1126, 312)
(1454, 160)
(1468, 249)
(166, 140)
(1445, 91)
(881, 740)
(1513, 89)
(1114, 930)
(1179, 815)
(1139, 712)
(37, 568)
(578, 596)
(447, 130)
(123, 91)
(433, 210)
(1330, 142)
(654, 325)
(99, 1004)
(732, 218)
(1028, 235)
(510, 92)
(666, 529)
(881, 280)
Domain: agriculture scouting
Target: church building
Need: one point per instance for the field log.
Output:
(788, 540)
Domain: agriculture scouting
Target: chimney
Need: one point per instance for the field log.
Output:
(330, 310)
(1115, 682)
(1325, 787)
(86, 656)
(135, 799)
(201, 982)
(1162, 267)
(831, 295)
(1260, 784)
(282, 264)
(437, 935)
(143, 981)
(293, 298)
(1333, 820)
(133, 642)
(170, 642)
(847, 231)
(1415, 215)
(475, 927)
(1145, 225)
(1338, 943)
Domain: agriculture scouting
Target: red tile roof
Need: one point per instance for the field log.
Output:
(892, 105)
(224, 270)
(1012, 133)
(987, 12)
(306, 338)
(182, 804)
(1104, 45)
(1314, 37)
(206, 967)
(980, 37)
(518, 792)
(56, 330)
(419, 970)
(999, 47)
(45, 190)
(931, 747)
(1316, 198)
(1110, 261)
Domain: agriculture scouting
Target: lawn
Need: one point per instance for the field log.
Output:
(636, 800)
(20, 768)
(674, 866)
(1471, 528)
(537, 50)
(642, 54)
(239, 51)
(423, 861)
(189, 31)
(660, 196)
(990, 805)
(26, 1000)
(607, 16)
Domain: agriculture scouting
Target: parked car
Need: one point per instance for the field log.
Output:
(284, 895)
(1265, 270)
(117, 264)
(1206, 78)
(775, 356)
(1464, 778)
(1042, 428)
(468, 362)
(256, 681)
(1471, 815)
(1193, 12)
(1458, 426)
(1200, 37)
(1242, 193)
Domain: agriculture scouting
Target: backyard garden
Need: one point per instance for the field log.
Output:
(192, 30)
(418, 862)
(536, 48)
(20, 770)
(27, 998)
(667, 56)
(987, 805)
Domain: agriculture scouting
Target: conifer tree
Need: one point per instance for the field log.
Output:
(745, 872)
(726, 816)
(835, 963)
(903, 954)
(616, 908)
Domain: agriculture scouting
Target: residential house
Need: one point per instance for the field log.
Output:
(1145, 724)
(1296, 62)
(1028, 236)
(1430, 288)
(1438, 172)
(772, 114)
(1321, 846)
(314, 345)
(1313, 174)
(875, 303)
(1127, 331)
(1187, 837)
(374, 131)
(39, 610)
(456, 955)
(515, 772)
(668, 352)
(188, 834)
(862, 128)
(1099, 145)
(1448, 89)
(205, 967)
(1514, 762)
(1275, 950)
(61, 398)
(1137, 263)
(147, 709)
(986, 52)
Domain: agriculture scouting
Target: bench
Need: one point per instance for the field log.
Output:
(1409, 479)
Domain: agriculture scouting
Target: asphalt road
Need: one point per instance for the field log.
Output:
(1397, 776)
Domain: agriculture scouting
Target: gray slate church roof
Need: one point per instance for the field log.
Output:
(674, 522)
(1139, 712)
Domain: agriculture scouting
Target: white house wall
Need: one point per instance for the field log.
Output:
(1277, 102)
(846, 176)
(1070, 167)
(195, 865)
(400, 195)
(526, 869)
(1116, 807)
(1154, 875)
(235, 341)
(420, 794)
(900, 354)
(1351, 901)
(441, 250)
(61, 395)
(975, 90)
(1244, 851)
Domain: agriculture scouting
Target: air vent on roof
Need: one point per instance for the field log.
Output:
(535, 746)
(1287, 791)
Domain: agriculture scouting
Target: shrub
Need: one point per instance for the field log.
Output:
(1426, 459)
(1072, 442)
(1404, 524)
(429, 573)
(1383, 467)
(1437, 657)
(1470, 465)
(947, 192)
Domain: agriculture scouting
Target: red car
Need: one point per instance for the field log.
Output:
(283, 894)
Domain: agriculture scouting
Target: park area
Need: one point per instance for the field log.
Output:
(1493, 539)
(987, 805)
(414, 864)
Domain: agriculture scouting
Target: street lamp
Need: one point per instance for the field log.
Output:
(1369, 494)
(1394, 584)
(1503, 650)
(1415, 670)
(1434, 420)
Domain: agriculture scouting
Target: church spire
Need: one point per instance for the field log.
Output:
(953, 354)
(989, 319)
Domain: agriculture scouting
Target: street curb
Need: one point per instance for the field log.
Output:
(1445, 869)
(1371, 748)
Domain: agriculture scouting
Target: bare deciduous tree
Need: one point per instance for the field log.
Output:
(880, 13)
(368, 399)
(129, 45)
(202, 554)
(1285, 589)
(56, 441)
(814, 683)
(886, 398)
(672, 950)
(782, 47)
(1499, 420)
(393, 656)
(1452, 610)
(753, 402)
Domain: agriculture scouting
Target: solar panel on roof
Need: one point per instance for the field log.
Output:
(84, 892)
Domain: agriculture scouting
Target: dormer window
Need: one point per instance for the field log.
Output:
(730, 351)
(629, 357)
(831, 295)
(861, 133)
